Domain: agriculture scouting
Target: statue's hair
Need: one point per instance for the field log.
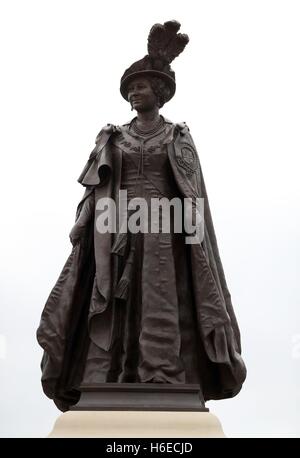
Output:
(160, 89)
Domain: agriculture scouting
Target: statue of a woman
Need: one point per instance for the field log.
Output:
(142, 306)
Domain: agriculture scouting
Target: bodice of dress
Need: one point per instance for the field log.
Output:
(146, 171)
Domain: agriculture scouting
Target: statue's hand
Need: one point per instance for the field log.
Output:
(76, 234)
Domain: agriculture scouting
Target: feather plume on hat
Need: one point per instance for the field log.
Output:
(164, 43)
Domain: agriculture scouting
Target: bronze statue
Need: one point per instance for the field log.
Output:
(141, 307)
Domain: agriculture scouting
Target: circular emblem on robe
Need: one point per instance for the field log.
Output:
(188, 159)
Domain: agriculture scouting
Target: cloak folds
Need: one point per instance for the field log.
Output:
(81, 306)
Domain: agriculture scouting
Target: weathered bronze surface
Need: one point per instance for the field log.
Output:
(142, 309)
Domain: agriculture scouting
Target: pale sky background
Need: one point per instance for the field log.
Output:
(238, 90)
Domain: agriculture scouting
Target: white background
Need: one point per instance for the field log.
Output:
(238, 90)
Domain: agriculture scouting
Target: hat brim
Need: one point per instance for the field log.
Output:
(170, 81)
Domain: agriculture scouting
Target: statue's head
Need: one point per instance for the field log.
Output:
(164, 44)
(146, 92)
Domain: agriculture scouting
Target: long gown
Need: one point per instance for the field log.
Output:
(155, 338)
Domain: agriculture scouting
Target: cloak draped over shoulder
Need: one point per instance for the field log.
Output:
(81, 308)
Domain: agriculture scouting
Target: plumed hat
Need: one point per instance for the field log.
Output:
(164, 44)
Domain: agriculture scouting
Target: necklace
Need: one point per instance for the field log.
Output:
(146, 132)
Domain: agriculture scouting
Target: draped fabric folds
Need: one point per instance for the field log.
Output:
(143, 307)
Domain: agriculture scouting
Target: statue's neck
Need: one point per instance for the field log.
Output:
(148, 119)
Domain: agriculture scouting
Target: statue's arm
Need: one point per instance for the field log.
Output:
(84, 217)
(90, 178)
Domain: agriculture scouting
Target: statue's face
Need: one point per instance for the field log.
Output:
(141, 95)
